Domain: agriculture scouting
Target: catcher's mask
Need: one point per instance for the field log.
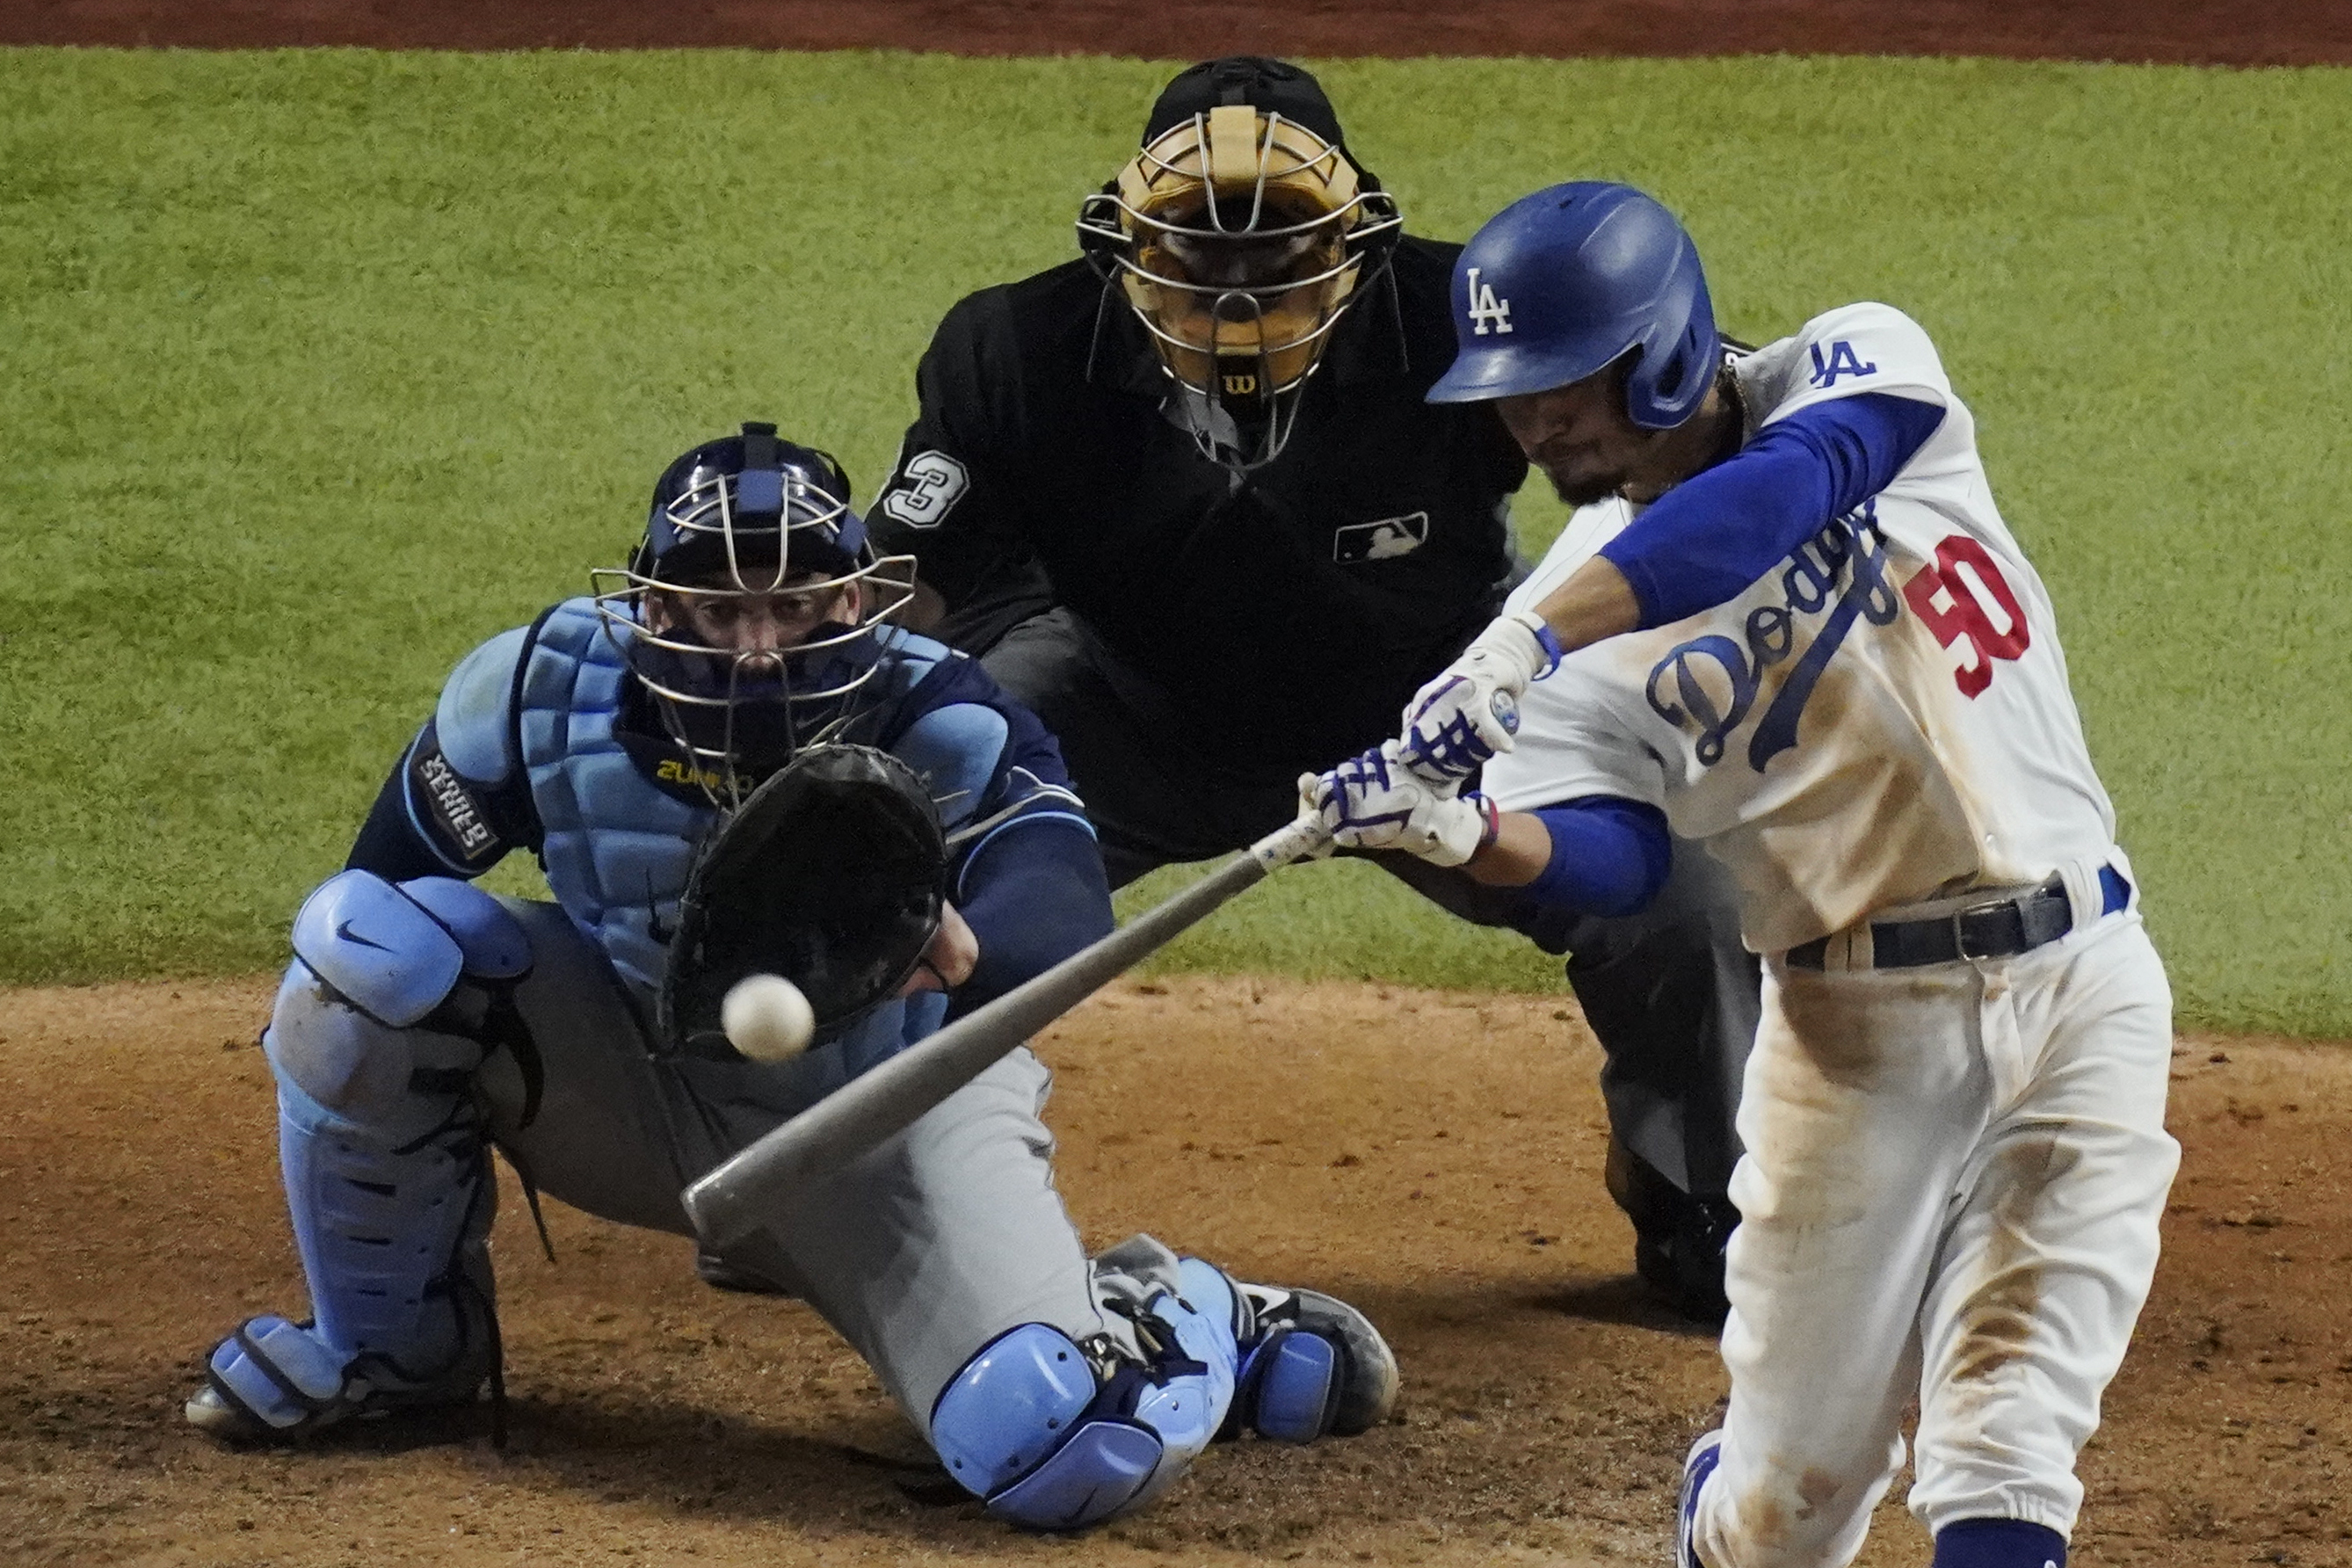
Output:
(749, 610)
(831, 874)
(1239, 235)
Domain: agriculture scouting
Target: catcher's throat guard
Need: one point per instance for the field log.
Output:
(832, 873)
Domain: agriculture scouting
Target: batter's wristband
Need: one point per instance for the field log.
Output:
(1546, 641)
(1549, 641)
(1492, 829)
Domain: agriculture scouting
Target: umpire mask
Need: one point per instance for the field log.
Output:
(1238, 235)
(749, 610)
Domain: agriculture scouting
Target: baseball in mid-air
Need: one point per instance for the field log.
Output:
(766, 1018)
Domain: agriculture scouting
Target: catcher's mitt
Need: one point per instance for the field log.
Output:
(831, 874)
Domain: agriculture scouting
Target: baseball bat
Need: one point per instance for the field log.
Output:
(734, 1198)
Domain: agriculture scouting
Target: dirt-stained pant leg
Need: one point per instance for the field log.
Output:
(1919, 1143)
(922, 1252)
(2050, 1257)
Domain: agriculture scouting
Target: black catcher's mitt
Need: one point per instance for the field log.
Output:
(831, 874)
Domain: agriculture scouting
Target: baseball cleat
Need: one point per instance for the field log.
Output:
(1698, 1465)
(1311, 1366)
(276, 1381)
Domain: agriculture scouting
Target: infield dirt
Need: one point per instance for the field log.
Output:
(1434, 1157)
(2192, 32)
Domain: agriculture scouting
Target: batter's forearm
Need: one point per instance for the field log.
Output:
(1595, 601)
(1521, 849)
(1598, 855)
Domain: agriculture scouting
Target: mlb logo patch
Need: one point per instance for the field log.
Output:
(1382, 541)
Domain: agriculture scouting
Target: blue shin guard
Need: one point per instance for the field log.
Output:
(1059, 1435)
(386, 1163)
(394, 1243)
(1312, 1366)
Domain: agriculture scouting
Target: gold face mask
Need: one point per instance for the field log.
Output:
(1239, 239)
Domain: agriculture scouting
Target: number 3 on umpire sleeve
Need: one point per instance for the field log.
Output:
(928, 487)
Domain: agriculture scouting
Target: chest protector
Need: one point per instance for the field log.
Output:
(617, 847)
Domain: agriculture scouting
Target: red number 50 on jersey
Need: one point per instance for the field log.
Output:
(1963, 598)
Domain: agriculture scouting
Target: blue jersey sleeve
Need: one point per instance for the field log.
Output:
(429, 820)
(1706, 540)
(1026, 872)
(1030, 881)
(458, 799)
(1609, 856)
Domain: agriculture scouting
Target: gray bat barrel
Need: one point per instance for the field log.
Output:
(736, 1196)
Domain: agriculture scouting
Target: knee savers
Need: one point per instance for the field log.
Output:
(355, 1024)
(1055, 1437)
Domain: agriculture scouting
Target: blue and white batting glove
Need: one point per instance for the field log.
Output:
(1453, 724)
(1371, 803)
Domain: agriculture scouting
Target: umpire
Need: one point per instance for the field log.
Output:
(1185, 497)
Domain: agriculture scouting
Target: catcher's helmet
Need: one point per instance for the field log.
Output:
(754, 531)
(1565, 282)
(1238, 235)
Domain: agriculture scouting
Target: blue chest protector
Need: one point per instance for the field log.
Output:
(615, 846)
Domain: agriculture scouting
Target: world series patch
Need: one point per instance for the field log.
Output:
(451, 805)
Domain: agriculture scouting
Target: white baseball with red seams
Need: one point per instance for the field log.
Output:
(1955, 1171)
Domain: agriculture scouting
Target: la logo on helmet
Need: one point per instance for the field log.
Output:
(1485, 310)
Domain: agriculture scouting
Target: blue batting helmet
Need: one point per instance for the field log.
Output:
(1562, 283)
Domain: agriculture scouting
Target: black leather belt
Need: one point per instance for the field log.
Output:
(2001, 928)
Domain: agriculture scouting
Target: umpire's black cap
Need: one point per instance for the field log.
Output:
(1270, 86)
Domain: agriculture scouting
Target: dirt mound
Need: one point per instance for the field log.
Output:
(1434, 1157)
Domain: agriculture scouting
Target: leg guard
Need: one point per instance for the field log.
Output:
(1060, 1436)
(386, 1169)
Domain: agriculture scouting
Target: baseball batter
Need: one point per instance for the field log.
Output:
(1791, 623)
(424, 1020)
(1203, 450)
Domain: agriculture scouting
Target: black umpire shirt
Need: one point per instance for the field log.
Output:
(1293, 615)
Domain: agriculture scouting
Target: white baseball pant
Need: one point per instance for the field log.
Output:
(1953, 1182)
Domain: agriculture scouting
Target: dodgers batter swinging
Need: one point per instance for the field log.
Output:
(1789, 622)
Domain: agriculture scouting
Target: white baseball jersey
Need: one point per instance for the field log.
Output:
(1883, 718)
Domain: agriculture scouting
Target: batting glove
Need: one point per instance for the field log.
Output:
(1372, 803)
(1453, 724)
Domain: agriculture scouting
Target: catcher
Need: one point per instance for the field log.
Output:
(726, 761)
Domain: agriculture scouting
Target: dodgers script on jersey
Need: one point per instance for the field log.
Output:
(1882, 719)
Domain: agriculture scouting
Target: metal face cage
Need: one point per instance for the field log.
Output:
(748, 540)
(1239, 239)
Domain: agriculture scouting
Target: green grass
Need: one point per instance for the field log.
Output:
(316, 367)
